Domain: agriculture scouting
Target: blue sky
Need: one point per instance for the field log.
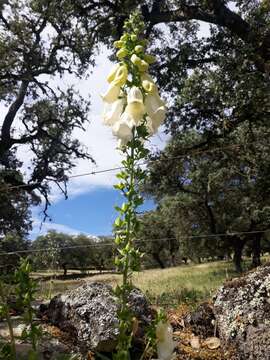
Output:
(91, 213)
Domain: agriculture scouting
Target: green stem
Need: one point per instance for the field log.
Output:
(131, 210)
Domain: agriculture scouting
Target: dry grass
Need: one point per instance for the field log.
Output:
(187, 283)
(183, 284)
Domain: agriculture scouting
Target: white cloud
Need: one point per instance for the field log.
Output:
(42, 228)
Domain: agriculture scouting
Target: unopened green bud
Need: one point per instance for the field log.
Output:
(133, 37)
(122, 53)
(144, 42)
(124, 37)
(139, 49)
(150, 58)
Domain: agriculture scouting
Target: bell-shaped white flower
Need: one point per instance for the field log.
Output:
(150, 126)
(135, 95)
(112, 112)
(135, 106)
(155, 108)
(148, 77)
(122, 130)
(128, 119)
(165, 343)
(111, 94)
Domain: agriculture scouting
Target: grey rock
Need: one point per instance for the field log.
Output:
(89, 314)
(242, 311)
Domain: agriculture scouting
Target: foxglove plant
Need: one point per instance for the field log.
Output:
(134, 110)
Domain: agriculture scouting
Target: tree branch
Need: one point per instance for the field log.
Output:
(220, 15)
(5, 141)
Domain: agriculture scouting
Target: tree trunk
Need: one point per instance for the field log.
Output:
(173, 261)
(64, 266)
(237, 257)
(158, 260)
(256, 250)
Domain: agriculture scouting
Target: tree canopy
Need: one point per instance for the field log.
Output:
(40, 43)
(59, 250)
(213, 64)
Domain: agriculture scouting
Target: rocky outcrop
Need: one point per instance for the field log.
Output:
(89, 315)
(242, 312)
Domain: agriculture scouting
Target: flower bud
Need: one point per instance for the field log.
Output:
(139, 49)
(149, 86)
(150, 58)
(135, 60)
(133, 37)
(124, 37)
(122, 53)
(118, 44)
(121, 75)
(143, 66)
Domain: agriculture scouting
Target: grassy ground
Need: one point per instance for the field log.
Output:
(189, 284)
(184, 284)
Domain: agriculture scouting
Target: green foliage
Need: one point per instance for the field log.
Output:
(25, 290)
(38, 44)
(157, 239)
(10, 243)
(151, 337)
(82, 252)
(25, 294)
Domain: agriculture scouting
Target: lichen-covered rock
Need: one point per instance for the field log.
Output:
(89, 314)
(242, 311)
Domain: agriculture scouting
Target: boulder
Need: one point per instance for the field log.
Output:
(89, 314)
(242, 311)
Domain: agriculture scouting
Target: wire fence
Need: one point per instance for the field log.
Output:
(147, 162)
